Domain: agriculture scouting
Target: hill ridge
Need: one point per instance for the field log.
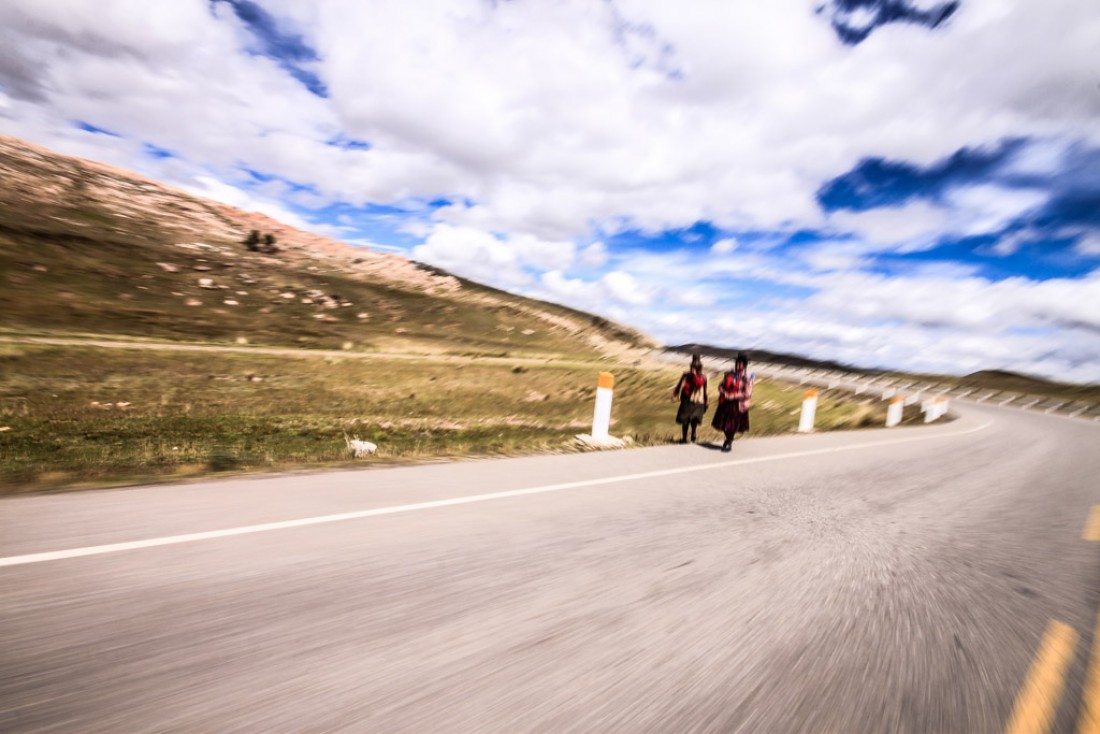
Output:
(88, 246)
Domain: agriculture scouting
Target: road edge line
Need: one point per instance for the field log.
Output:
(469, 499)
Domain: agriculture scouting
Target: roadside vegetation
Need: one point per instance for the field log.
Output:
(89, 416)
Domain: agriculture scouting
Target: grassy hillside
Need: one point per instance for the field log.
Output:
(90, 250)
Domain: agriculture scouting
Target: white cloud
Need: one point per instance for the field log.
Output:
(987, 208)
(724, 246)
(473, 254)
(562, 289)
(625, 288)
(212, 188)
(918, 225)
(910, 226)
(858, 19)
(1089, 244)
(695, 296)
(594, 255)
(543, 254)
(961, 302)
(415, 228)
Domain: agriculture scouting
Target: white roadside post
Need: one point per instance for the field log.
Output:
(893, 413)
(809, 408)
(601, 419)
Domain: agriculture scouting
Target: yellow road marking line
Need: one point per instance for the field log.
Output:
(1089, 723)
(1042, 690)
(1092, 526)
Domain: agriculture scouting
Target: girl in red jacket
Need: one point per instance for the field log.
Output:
(734, 401)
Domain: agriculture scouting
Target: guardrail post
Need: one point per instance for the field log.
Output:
(934, 409)
(809, 408)
(893, 413)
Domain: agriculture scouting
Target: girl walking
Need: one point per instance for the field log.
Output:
(692, 392)
(734, 401)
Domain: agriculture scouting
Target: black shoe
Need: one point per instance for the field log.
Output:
(682, 441)
(693, 439)
(726, 447)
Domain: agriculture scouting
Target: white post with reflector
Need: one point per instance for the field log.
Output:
(893, 413)
(809, 409)
(935, 410)
(601, 418)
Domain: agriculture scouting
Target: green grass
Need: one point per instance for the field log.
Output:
(87, 416)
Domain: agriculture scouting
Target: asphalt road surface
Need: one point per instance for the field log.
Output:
(927, 579)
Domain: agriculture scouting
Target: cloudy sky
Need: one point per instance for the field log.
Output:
(901, 183)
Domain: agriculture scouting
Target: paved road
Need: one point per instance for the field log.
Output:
(929, 579)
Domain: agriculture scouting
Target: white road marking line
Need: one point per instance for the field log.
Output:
(95, 550)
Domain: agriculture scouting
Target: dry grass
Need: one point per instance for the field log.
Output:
(80, 415)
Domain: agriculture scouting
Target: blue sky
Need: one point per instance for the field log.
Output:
(911, 184)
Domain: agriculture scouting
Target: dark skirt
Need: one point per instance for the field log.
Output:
(729, 419)
(690, 412)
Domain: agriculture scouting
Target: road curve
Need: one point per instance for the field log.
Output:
(929, 579)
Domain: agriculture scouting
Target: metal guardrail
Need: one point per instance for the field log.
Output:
(915, 391)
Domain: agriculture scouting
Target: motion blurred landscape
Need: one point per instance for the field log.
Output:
(143, 336)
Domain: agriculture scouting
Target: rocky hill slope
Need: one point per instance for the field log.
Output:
(90, 249)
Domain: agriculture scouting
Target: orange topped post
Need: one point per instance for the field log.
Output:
(601, 418)
(809, 409)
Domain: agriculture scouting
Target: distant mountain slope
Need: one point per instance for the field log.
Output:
(1014, 382)
(92, 249)
(762, 355)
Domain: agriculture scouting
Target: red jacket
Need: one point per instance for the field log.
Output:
(689, 387)
(737, 387)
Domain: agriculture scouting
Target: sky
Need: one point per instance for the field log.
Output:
(908, 184)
